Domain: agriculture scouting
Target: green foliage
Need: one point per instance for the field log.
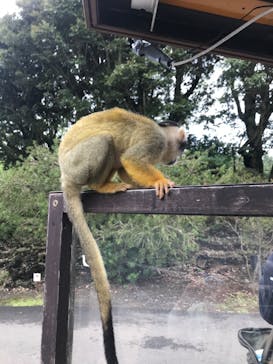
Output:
(53, 70)
(23, 213)
(4, 277)
(38, 78)
(268, 166)
(134, 246)
(210, 161)
(198, 168)
(240, 174)
(133, 79)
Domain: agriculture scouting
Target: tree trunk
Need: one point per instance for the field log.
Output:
(252, 151)
(253, 157)
(176, 114)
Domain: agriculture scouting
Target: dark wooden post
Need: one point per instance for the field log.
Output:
(57, 322)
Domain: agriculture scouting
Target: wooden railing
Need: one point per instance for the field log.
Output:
(222, 200)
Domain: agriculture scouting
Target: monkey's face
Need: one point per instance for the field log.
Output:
(176, 143)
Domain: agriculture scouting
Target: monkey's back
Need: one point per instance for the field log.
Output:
(124, 126)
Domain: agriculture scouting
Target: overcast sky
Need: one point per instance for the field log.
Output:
(7, 7)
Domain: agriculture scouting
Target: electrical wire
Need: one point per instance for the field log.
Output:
(154, 15)
(223, 40)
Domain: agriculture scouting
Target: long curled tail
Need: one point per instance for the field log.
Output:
(95, 261)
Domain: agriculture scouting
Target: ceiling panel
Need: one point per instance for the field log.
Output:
(189, 23)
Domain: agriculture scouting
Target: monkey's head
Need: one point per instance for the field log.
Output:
(176, 141)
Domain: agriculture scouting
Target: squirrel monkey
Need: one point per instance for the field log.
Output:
(90, 153)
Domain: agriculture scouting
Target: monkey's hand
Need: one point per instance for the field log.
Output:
(146, 175)
(162, 187)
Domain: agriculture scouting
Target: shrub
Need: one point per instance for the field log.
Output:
(23, 213)
(134, 246)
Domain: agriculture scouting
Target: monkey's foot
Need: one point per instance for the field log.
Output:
(111, 187)
(162, 187)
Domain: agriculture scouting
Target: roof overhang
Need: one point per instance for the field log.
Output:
(188, 23)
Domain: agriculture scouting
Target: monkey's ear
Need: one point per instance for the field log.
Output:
(182, 134)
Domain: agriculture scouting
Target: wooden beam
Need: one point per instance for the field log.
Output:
(217, 200)
(58, 316)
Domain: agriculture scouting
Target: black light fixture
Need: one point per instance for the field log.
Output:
(146, 49)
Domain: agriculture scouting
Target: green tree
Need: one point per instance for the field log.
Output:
(53, 70)
(156, 242)
(192, 93)
(250, 87)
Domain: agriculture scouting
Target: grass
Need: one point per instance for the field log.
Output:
(240, 302)
(22, 301)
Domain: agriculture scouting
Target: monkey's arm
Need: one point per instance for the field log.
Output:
(123, 175)
(146, 175)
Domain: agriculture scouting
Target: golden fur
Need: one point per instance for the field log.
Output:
(91, 152)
